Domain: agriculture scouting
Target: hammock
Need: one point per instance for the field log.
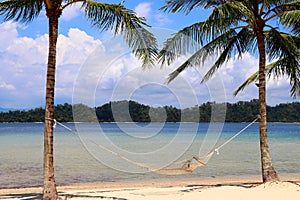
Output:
(176, 168)
(187, 166)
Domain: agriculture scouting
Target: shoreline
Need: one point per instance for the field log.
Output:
(164, 189)
(169, 182)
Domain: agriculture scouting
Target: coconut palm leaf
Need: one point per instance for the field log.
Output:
(190, 39)
(188, 6)
(287, 48)
(281, 45)
(292, 19)
(20, 10)
(289, 67)
(237, 45)
(230, 44)
(117, 18)
(251, 79)
(202, 54)
(183, 42)
(224, 18)
(285, 7)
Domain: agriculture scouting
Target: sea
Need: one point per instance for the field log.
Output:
(122, 152)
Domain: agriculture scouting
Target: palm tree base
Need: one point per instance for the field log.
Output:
(270, 176)
(50, 192)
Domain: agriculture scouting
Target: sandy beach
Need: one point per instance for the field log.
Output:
(175, 190)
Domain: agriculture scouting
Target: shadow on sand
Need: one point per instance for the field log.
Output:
(63, 196)
(27, 196)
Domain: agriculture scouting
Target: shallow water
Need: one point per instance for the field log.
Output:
(96, 152)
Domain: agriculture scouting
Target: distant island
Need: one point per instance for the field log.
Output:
(242, 111)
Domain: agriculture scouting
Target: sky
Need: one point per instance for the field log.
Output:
(96, 67)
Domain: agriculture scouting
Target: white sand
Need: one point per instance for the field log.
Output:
(164, 191)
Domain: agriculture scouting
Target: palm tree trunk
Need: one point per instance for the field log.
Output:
(50, 192)
(268, 171)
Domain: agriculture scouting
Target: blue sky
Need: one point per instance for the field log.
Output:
(23, 56)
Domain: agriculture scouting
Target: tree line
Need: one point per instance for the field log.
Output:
(131, 111)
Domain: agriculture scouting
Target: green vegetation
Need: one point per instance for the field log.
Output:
(242, 111)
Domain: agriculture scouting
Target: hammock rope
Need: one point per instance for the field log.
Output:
(234, 136)
(186, 165)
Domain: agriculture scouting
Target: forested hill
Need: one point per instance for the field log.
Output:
(241, 111)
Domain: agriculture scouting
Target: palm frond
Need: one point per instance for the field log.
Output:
(240, 9)
(237, 44)
(281, 45)
(176, 72)
(291, 19)
(279, 8)
(254, 77)
(285, 7)
(19, 10)
(187, 6)
(251, 79)
(228, 44)
(117, 18)
(289, 67)
(231, 14)
(200, 56)
(271, 3)
(220, 20)
(185, 41)
(285, 47)
(68, 3)
(189, 39)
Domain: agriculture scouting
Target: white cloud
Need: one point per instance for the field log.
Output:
(123, 78)
(125, 75)
(8, 33)
(162, 19)
(143, 9)
(23, 68)
(235, 72)
(23, 65)
(75, 47)
(7, 86)
(22, 46)
(71, 12)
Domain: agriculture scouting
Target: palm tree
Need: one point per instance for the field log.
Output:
(103, 16)
(233, 28)
(280, 68)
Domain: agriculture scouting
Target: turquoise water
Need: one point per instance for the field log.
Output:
(90, 155)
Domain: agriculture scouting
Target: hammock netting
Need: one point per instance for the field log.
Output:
(184, 166)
